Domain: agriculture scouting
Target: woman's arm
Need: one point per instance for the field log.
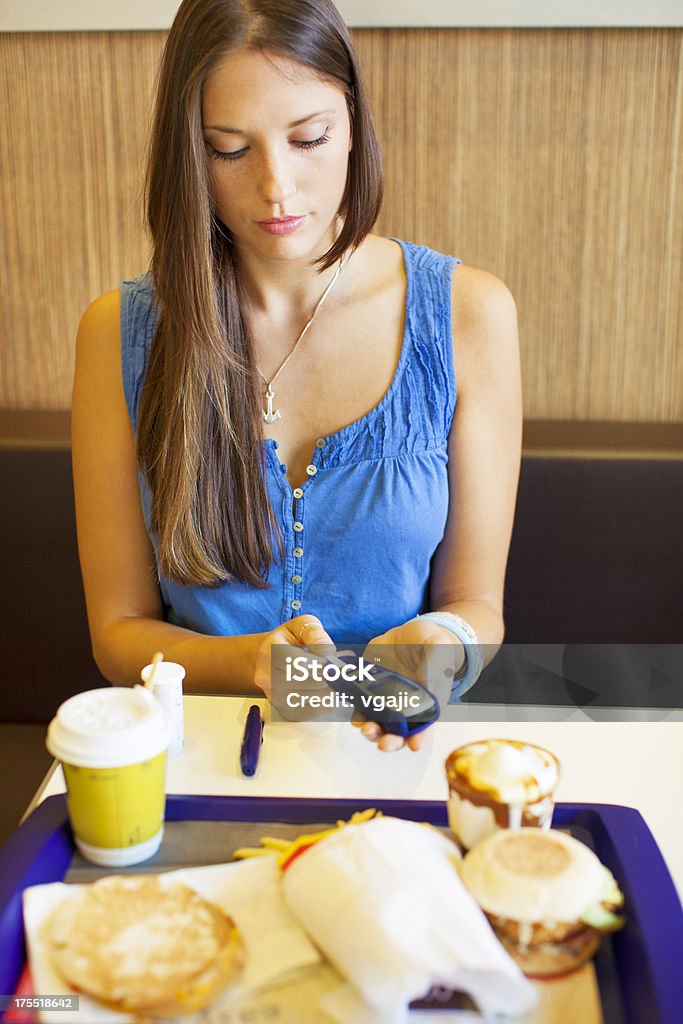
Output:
(468, 573)
(119, 575)
(484, 449)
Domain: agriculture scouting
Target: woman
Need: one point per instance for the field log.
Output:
(266, 442)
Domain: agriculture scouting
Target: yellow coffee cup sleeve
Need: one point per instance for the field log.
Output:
(116, 807)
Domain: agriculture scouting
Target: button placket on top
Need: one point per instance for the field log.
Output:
(294, 506)
(294, 582)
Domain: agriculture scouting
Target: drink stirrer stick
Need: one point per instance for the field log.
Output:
(157, 658)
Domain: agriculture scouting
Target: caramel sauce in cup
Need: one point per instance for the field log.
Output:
(477, 807)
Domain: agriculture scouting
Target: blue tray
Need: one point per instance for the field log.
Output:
(639, 969)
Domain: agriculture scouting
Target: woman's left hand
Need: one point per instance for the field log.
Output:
(421, 650)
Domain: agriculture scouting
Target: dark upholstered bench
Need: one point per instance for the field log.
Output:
(596, 557)
(597, 552)
(43, 627)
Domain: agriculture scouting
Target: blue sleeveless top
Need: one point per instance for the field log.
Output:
(360, 533)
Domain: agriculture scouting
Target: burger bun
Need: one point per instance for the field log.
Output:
(144, 945)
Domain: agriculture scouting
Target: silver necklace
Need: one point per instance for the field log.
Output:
(270, 415)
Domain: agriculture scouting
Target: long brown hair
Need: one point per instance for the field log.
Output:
(200, 431)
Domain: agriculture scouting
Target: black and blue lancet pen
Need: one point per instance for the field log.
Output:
(251, 741)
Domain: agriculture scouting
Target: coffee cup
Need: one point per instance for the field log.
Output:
(495, 784)
(113, 744)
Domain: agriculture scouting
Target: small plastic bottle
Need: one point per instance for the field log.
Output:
(167, 687)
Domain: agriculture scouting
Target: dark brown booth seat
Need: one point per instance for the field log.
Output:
(597, 552)
(597, 556)
(43, 627)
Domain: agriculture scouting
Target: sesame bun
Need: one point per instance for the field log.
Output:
(536, 888)
(145, 946)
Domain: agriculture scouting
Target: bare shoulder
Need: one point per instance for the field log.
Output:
(484, 317)
(102, 316)
(98, 342)
(98, 353)
(481, 300)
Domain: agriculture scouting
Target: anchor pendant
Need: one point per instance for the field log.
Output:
(268, 414)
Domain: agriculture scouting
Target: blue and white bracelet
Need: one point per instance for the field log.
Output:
(474, 654)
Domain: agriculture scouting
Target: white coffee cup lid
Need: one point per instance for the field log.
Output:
(109, 728)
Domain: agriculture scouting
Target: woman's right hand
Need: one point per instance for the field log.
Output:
(286, 640)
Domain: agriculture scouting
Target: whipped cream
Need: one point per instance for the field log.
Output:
(510, 772)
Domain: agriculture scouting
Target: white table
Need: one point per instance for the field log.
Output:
(637, 764)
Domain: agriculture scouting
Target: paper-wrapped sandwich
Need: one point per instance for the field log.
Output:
(547, 896)
(145, 946)
(384, 902)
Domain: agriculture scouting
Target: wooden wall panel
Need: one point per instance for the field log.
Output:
(554, 160)
(76, 109)
(550, 157)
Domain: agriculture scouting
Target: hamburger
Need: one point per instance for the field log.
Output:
(145, 946)
(546, 895)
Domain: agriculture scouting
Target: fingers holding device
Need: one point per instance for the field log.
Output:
(348, 682)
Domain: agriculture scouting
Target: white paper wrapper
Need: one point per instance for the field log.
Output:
(383, 900)
(249, 891)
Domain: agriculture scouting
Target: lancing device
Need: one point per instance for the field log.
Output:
(251, 741)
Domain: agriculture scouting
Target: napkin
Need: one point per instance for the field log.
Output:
(249, 891)
(384, 902)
